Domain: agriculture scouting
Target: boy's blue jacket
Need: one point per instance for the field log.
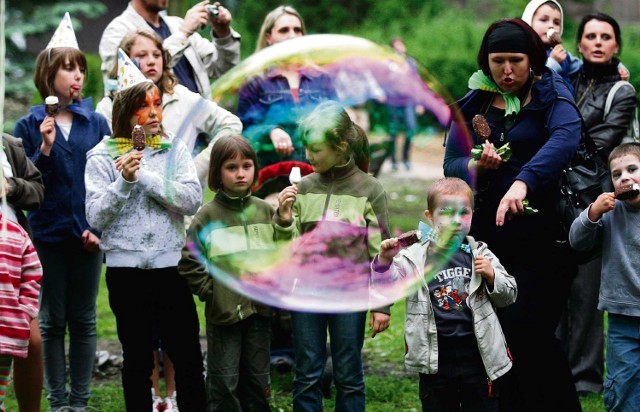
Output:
(62, 214)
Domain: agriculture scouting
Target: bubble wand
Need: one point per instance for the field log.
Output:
(3, 186)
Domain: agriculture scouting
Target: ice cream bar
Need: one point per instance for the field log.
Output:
(554, 37)
(627, 191)
(409, 238)
(51, 105)
(137, 135)
(295, 177)
(481, 127)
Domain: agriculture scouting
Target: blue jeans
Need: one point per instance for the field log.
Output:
(622, 383)
(70, 281)
(346, 332)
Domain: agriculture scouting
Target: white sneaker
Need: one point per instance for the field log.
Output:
(171, 403)
(158, 404)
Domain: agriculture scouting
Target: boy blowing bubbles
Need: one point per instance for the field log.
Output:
(440, 331)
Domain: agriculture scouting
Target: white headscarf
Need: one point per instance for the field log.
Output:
(530, 10)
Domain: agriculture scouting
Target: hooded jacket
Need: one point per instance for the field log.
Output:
(421, 336)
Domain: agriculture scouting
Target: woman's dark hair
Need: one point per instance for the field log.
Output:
(49, 61)
(537, 54)
(126, 103)
(602, 17)
(330, 123)
(225, 148)
(168, 80)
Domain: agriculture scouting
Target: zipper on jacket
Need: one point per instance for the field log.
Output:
(501, 137)
(326, 201)
(244, 225)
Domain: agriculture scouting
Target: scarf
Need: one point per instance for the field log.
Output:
(118, 146)
(479, 80)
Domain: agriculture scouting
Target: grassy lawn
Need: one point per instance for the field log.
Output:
(388, 386)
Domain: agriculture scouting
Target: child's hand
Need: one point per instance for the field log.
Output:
(606, 202)
(90, 242)
(388, 249)
(130, 164)
(483, 267)
(285, 202)
(378, 322)
(48, 132)
(624, 74)
(558, 53)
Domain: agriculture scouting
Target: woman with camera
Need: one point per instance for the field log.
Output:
(528, 107)
(599, 41)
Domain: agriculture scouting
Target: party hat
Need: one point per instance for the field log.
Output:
(64, 35)
(128, 72)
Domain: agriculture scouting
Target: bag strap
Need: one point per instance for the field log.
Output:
(635, 132)
(585, 138)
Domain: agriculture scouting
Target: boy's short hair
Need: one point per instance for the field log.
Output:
(447, 186)
(623, 150)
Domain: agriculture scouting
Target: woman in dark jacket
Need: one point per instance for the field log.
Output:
(581, 329)
(530, 107)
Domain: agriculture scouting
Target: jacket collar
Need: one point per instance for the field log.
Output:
(601, 71)
(340, 172)
(234, 203)
(83, 108)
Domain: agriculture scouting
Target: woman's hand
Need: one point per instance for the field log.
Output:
(129, 165)
(48, 132)
(90, 242)
(489, 159)
(512, 201)
(285, 202)
(281, 142)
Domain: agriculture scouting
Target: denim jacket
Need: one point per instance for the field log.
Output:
(266, 103)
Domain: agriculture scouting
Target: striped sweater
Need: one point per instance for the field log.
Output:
(20, 275)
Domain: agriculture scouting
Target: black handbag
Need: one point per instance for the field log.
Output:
(581, 182)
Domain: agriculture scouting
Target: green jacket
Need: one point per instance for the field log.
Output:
(234, 233)
(348, 202)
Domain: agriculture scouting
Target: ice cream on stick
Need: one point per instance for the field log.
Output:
(481, 127)
(409, 238)
(138, 137)
(554, 37)
(295, 177)
(627, 192)
(51, 105)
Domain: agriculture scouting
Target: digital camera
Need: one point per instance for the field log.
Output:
(213, 10)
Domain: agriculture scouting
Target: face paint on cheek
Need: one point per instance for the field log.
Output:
(150, 101)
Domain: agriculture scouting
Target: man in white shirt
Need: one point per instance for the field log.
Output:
(195, 60)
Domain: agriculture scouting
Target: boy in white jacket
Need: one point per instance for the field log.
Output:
(452, 333)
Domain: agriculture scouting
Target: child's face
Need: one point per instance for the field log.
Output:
(68, 81)
(149, 58)
(149, 116)
(451, 210)
(323, 157)
(625, 170)
(546, 18)
(237, 175)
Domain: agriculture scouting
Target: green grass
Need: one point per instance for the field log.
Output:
(388, 386)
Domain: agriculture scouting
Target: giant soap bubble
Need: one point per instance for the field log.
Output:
(321, 267)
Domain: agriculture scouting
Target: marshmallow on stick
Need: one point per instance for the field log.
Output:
(295, 177)
(554, 37)
(51, 105)
(138, 137)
